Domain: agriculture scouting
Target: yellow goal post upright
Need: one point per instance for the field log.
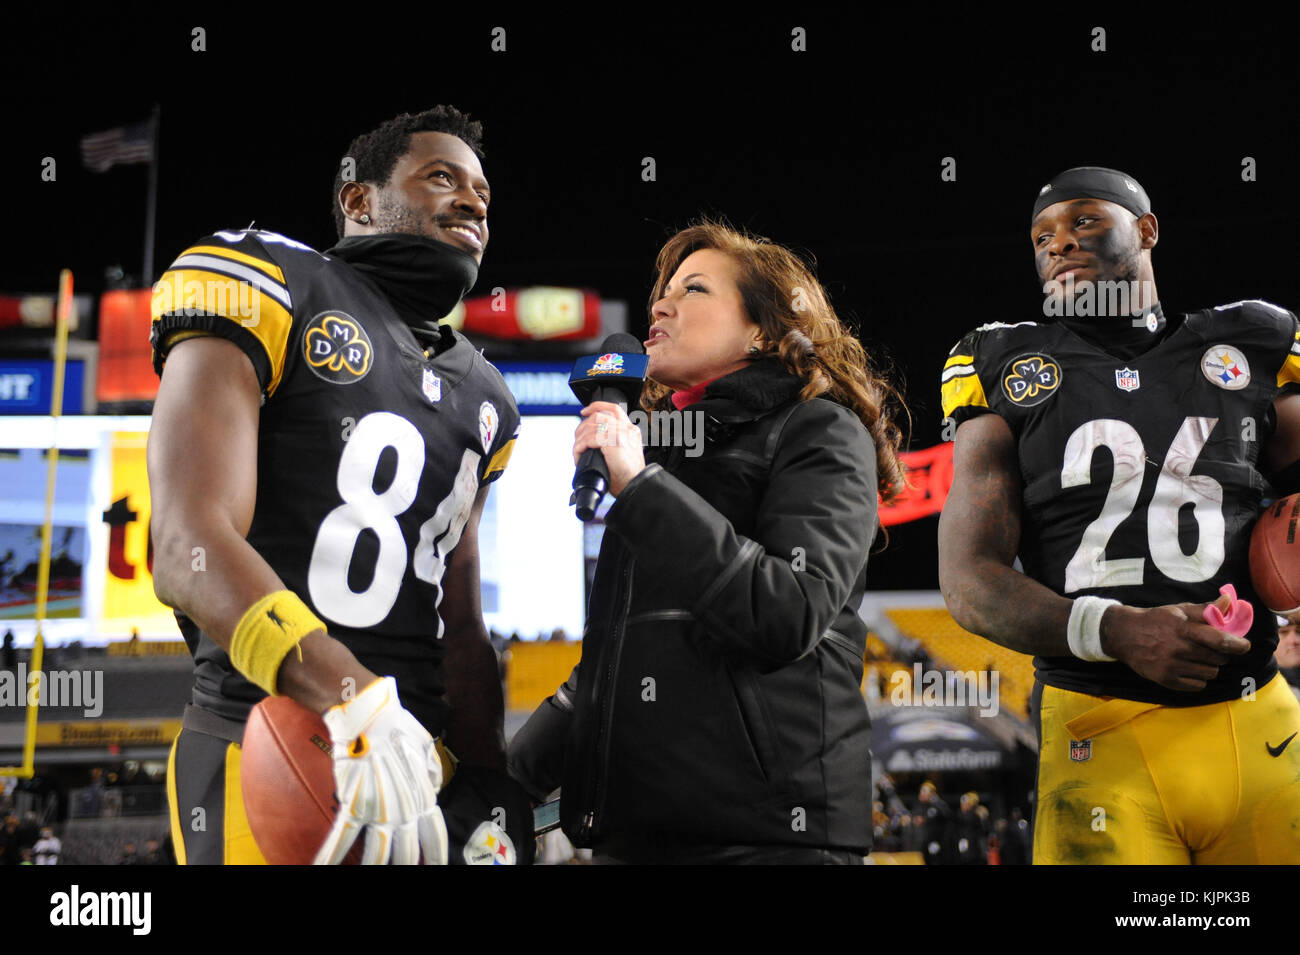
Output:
(63, 315)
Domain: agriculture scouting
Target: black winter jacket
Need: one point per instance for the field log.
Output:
(717, 700)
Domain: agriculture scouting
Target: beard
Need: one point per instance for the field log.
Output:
(396, 216)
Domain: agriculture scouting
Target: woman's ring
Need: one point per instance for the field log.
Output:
(602, 427)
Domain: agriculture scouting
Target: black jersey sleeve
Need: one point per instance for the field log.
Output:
(960, 385)
(1288, 375)
(502, 444)
(496, 465)
(226, 284)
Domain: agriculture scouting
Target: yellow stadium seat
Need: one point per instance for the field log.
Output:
(534, 670)
(952, 647)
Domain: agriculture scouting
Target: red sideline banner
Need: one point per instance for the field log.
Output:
(537, 313)
(929, 476)
(37, 311)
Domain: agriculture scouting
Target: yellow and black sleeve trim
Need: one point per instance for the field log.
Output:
(217, 290)
(960, 385)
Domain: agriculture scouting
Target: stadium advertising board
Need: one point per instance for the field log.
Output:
(101, 581)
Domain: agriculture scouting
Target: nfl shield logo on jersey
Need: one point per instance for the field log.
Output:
(1126, 379)
(431, 385)
(1080, 750)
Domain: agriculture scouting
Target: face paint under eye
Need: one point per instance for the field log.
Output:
(1116, 258)
(1041, 261)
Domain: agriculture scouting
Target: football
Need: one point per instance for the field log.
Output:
(1275, 556)
(287, 777)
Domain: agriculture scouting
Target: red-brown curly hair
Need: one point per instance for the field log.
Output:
(784, 299)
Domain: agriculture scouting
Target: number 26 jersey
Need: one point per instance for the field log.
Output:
(1139, 475)
(371, 450)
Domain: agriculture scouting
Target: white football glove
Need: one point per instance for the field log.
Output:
(387, 772)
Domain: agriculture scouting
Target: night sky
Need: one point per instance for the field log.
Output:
(835, 151)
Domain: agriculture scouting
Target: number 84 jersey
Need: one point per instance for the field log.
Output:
(371, 450)
(1139, 475)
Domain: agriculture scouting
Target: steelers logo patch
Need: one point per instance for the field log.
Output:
(1031, 379)
(337, 348)
(487, 424)
(1226, 367)
(489, 845)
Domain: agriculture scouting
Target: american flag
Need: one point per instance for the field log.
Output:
(123, 144)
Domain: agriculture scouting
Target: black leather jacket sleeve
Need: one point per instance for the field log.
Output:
(535, 757)
(775, 594)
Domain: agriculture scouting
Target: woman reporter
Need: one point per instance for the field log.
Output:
(715, 715)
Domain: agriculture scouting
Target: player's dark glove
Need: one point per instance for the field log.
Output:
(489, 818)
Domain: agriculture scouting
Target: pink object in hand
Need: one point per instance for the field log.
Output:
(1237, 620)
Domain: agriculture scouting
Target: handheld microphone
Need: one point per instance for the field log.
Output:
(617, 376)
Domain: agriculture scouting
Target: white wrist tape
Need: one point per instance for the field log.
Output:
(1084, 628)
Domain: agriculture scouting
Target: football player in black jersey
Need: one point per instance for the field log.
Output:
(1122, 455)
(320, 455)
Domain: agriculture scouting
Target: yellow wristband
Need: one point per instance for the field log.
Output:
(267, 632)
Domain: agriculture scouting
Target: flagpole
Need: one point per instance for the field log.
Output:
(151, 212)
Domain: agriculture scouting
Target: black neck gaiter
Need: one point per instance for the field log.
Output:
(423, 278)
(1126, 336)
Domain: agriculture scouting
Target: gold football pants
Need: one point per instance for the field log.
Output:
(1127, 783)
(208, 822)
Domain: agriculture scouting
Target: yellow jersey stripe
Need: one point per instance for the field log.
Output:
(963, 391)
(212, 293)
(958, 360)
(235, 272)
(1289, 373)
(956, 371)
(500, 459)
(267, 268)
